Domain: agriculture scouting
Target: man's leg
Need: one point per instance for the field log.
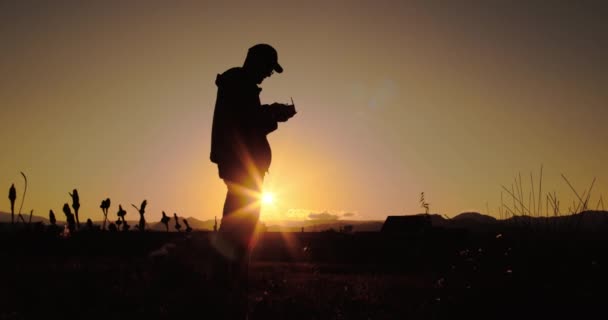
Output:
(240, 218)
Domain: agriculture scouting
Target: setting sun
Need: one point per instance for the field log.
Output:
(267, 198)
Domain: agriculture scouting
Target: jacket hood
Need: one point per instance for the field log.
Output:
(232, 76)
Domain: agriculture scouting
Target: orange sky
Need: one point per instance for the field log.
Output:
(393, 99)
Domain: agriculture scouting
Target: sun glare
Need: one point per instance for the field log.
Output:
(267, 198)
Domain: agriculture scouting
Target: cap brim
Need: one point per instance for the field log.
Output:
(278, 68)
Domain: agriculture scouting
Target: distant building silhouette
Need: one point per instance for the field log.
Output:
(406, 224)
(347, 228)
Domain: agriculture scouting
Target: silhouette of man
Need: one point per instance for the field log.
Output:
(241, 150)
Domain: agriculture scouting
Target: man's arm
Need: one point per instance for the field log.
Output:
(245, 110)
(282, 112)
(267, 119)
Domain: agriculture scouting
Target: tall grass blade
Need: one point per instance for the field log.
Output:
(540, 190)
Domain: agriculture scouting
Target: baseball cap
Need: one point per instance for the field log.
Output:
(266, 53)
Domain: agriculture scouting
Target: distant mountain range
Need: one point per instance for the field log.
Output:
(466, 220)
(6, 217)
(477, 221)
(322, 225)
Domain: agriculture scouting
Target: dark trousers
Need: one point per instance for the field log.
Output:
(241, 211)
(236, 236)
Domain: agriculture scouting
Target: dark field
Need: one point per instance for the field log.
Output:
(510, 274)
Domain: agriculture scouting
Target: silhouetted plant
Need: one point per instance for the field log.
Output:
(30, 219)
(601, 201)
(75, 205)
(165, 220)
(12, 196)
(142, 211)
(121, 213)
(69, 217)
(178, 226)
(53, 228)
(52, 219)
(105, 205)
(112, 227)
(424, 204)
(22, 218)
(121, 218)
(215, 225)
(188, 229)
(23, 199)
(90, 226)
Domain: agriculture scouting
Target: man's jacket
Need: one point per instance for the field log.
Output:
(240, 126)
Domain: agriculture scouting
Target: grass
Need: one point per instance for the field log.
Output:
(339, 276)
(519, 270)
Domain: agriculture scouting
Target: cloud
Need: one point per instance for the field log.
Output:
(323, 216)
(299, 214)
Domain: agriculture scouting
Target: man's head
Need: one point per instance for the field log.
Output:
(261, 62)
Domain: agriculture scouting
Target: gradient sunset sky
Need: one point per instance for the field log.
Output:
(394, 98)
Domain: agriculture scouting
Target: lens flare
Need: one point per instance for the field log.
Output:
(267, 198)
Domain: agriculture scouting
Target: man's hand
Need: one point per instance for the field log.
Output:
(283, 112)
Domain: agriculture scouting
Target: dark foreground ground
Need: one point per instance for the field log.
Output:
(513, 274)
